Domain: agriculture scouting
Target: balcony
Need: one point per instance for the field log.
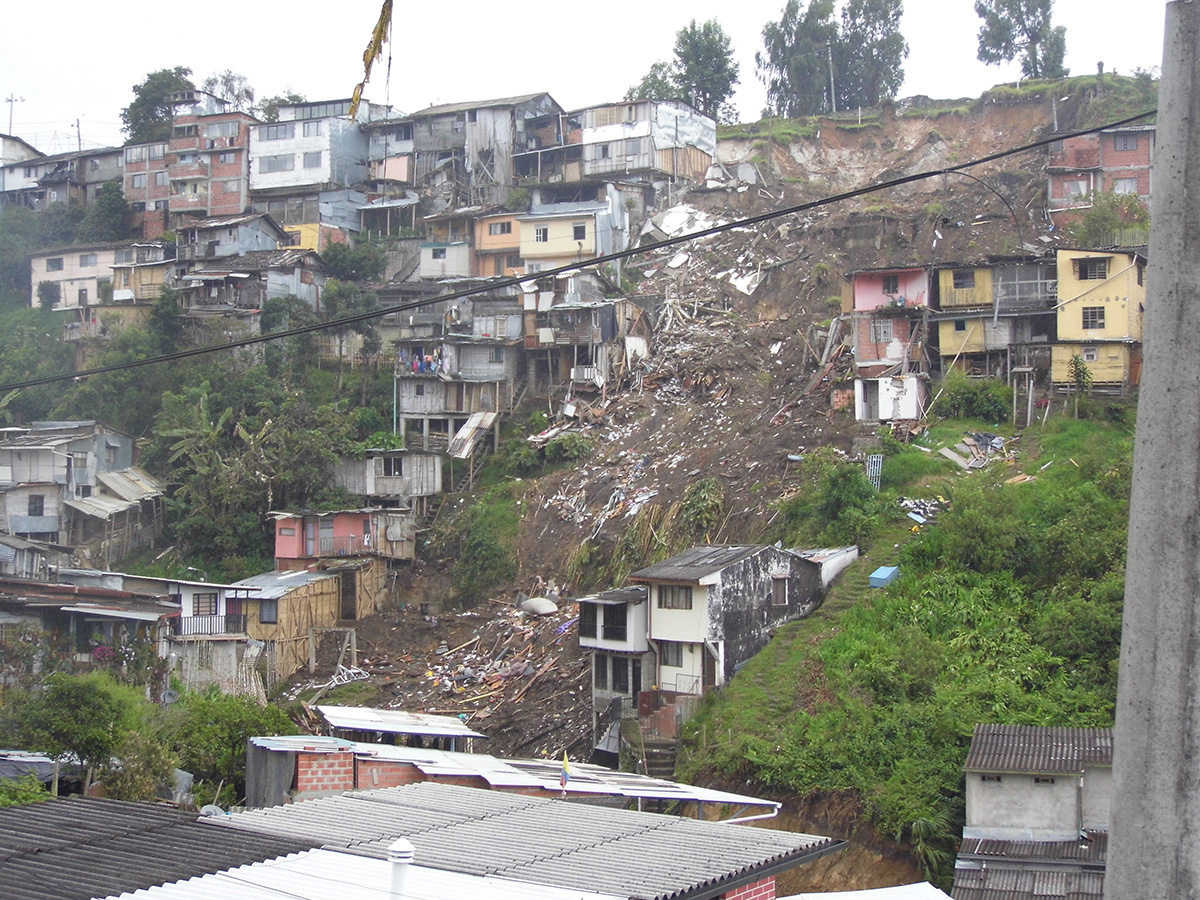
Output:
(186, 626)
(345, 545)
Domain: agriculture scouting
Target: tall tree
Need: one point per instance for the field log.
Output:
(1013, 28)
(871, 51)
(794, 60)
(107, 219)
(703, 72)
(148, 117)
(268, 110)
(231, 87)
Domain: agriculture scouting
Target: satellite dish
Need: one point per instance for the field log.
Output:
(169, 696)
(211, 809)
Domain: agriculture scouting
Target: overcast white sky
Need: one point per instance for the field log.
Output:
(83, 66)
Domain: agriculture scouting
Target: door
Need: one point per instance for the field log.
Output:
(310, 537)
(710, 668)
(349, 579)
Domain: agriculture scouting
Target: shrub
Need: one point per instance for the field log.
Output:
(972, 398)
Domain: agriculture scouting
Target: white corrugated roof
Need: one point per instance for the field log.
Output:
(394, 721)
(320, 874)
(921, 891)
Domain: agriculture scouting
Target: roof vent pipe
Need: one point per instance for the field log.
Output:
(400, 854)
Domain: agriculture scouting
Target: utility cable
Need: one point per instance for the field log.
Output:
(576, 266)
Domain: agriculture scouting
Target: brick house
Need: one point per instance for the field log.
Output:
(1115, 159)
(890, 307)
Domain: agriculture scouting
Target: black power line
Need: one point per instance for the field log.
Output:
(574, 267)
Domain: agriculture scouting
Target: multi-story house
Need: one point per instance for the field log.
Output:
(228, 236)
(1101, 300)
(75, 484)
(1115, 159)
(572, 331)
(393, 478)
(207, 158)
(461, 154)
(498, 245)
(554, 234)
(247, 280)
(891, 371)
(634, 141)
(82, 273)
(992, 318)
(447, 250)
(15, 150)
(147, 188)
(76, 177)
(1038, 809)
(308, 168)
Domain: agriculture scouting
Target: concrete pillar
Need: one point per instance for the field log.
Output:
(1154, 850)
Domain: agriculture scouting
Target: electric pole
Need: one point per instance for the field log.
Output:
(832, 86)
(10, 100)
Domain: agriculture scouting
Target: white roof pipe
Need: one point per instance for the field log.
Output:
(400, 855)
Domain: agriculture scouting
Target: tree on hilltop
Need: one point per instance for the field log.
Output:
(703, 72)
(1013, 28)
(148, 117)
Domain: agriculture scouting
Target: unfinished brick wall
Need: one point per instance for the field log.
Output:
(324, 773)
(759, 890)
(374, 773)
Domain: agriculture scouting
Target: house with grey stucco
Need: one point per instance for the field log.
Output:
(1038, 805)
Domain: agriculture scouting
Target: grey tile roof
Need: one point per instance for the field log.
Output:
(76, 849)
(1032, 748)
(1023, 884)
(552, 842)
(1093, 851)
(694, 564)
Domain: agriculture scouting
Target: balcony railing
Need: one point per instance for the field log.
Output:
(191, 625)
(345, 545)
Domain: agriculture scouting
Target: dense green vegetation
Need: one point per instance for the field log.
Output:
(1008, 610)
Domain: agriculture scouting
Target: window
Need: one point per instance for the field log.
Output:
(587, 620)
(279, 132)
(132, 154)
(54, 264)
(579, 232)
(881, 331)
(232, 187)
(204, 604)
(83, 296)
(1093, 317)
(138, 180)
(993, 779)
(620, 674)
(1125, 186)
(311, 129)
(221, 129)
(1091, 269)
(1125, 142)
(110, 454)
(420, 390)
(283, 163)
(960, 324)
(891, 284)
(83, 490)
(159, 204)
(268, 611)
(500, 228)
(779, 590)
(186, 159)
(1091, 354)
(287, 532)
(541, 234)
(633, 146)
(674, 596)
(312, 160)
(185, 131)
(1078, 188)
(671, 653)
(501, 327)
(603, 151)
(439, 252)
(964, 279)
(514, 262)
(322, 110)
(496, 355)
(1043, 779)
(225, 159)
(156, 151)
(123, 256)
(31, 171)
(600, 671)
(1141, 274)
(37, 505)
(614, 622)
(87, 260)
(160, 179)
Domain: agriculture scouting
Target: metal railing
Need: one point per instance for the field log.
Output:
(191, 625)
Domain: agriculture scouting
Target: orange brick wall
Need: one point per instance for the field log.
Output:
(759, 890)
(324, 772)
(373, 773)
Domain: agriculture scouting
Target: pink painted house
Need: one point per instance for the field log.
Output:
(305, 537)
(890, 309)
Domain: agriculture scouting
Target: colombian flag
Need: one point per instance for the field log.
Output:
(566, 772)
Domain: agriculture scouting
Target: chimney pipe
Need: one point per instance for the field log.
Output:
(400, 854)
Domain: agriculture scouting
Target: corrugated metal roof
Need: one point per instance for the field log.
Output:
(99, 505)
(395, 721)
(465, 107)
(921, 891)
(76, 849)
(134, 483)
(694, 564)
(255, 260)
(1093, 850)
(634, 594)
(475, 429)
(1033, 748)
(1024, 884)
(273, 585)
(321, 874)
(545, 841)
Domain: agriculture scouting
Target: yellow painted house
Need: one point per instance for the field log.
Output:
(1101, 300)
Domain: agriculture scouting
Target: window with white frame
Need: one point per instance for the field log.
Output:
(496, 355)
(579, 231)
(671, 653)
(1091, 354)
(285, 162)
(1093, 318)
(1125, 142)
(881, 331)
(1125, 186)
(674, 596)
(138, 180)
(541, 234)
(156, 151)
(500, 228)
(87, 260)
(438, 253)
(160, 179)
(779, 590)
